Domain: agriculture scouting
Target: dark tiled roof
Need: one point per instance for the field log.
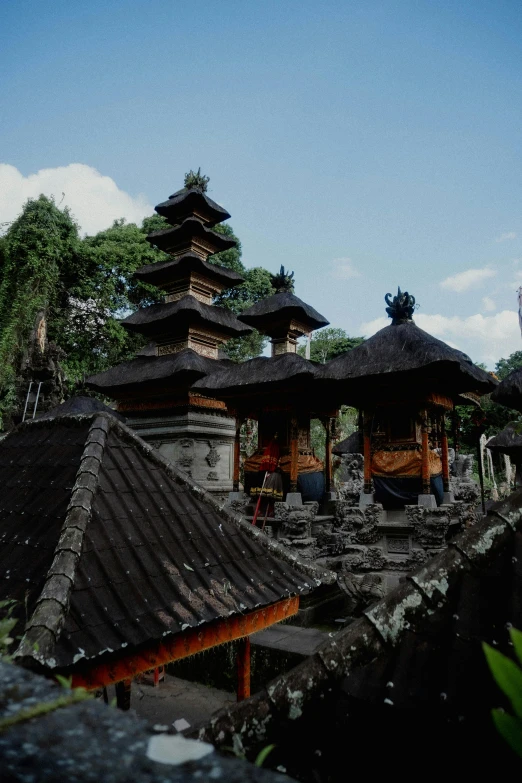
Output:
(164, 272)
(159, 318)
(509, 391)
(412, 669)
(174, 369)
(401, 349)
(171, 238)
(260, 372)
(118, 548)
(280, 306)
(186, 201)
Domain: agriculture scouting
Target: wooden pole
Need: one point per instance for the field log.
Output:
(444, 453)
(425, 470)
(123, 694)
(367, 449)
(328, 455)
(243, 669)
(237, 455)
(294, 453)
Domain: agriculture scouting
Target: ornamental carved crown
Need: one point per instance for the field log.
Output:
(400, 309)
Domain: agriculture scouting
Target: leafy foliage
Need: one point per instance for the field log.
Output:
(505, 366)
(328, 343)
(41, 243)
(195, 180)
(508, 676)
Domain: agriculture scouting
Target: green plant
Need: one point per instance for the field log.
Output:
(508, 676)
(7, 623)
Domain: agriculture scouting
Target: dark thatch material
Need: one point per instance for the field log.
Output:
(412, 667)
(79, 405)
(163, 273)
(181, 368)
(509, 391)
(116, 549)
(186, 202)
(282, 307)
(260, 372)
(403, 353)
(509, 441)
(171, 239)
(351, 445)
(187, 311)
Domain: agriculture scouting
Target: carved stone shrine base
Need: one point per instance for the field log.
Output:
(199, 444)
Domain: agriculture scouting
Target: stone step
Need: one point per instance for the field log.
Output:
(291, 638)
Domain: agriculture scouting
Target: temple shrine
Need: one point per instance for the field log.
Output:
(278, 392)
(185, 333)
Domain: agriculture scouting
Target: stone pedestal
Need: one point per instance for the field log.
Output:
(366, 499)
(294, 499)
(427, 501)
(198, 443)
(448, 497)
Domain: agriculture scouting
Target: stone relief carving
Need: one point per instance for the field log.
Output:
(430, 526)
(212, 476)
(212, 457)
(186, 454)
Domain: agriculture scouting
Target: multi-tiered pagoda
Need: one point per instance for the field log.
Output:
(185, 333)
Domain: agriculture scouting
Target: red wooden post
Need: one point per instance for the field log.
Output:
(444, 454)
(425, 455)
(243, 669)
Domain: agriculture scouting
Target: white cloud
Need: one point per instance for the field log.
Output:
(95, 201)
(343, 269)
(463, 281)
(488, 304)
(506, 236)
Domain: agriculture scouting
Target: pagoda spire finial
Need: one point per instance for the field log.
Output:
(400, 308)
(284, 281)
(195, 180)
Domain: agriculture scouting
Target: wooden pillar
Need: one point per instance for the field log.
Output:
(444, 453)
(328, 424)
(243, 669)
(123, 694)
(367, 450)
(237, 455)
(294, 453)
(425, 470)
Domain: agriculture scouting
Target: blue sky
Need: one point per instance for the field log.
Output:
(364, 145)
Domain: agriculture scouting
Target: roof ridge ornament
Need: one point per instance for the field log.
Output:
(400, 309)
(283, 282)
(195, 180)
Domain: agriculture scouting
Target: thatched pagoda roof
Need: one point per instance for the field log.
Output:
(166, 272)
(170, 239)
(509, 441)
(284, 306)
(350, 445)
(182, 368)
(509, 391)
(80, 405)
(167, 316)
(402, 353)
(260, 374)
(190, 201)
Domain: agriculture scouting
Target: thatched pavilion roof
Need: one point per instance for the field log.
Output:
(509, 391)
(509, 441)
(402, 353)
(165, 272)
(283, 306)
(189, 201)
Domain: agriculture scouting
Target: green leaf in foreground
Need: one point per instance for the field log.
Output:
(507, 675)
(262, 755)
(510, 728)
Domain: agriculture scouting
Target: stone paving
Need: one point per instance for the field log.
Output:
(174, 699)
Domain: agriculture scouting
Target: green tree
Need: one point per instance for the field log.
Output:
(504, 366)
(329, 343)
(43, 240)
